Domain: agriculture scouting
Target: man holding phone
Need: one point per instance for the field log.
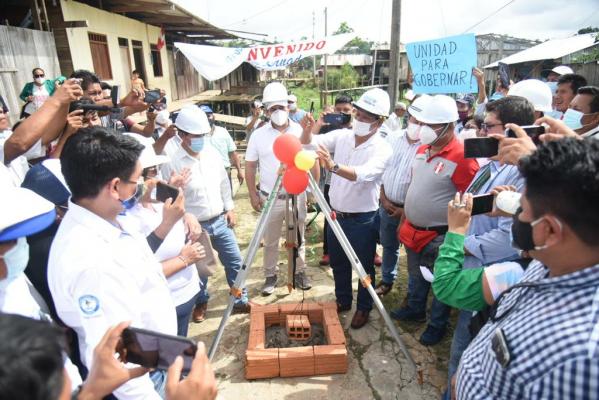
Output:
(208, 197)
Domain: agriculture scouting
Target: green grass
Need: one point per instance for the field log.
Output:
(305, 96)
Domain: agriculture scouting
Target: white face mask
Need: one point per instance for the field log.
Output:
(361, 128)
(467, 134)
(16, 260)
(279, 117)
(292, 106)
(413, 131)
(39, 80)
(428, 134)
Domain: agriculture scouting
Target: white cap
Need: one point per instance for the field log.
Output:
(148, 157)
(274, 92)
(417, 107)
(24, 212)
(440, 109)
(193, 120)
(562, 70)
(400, 105)
(292, 98)
(375, 101)
(535, 91)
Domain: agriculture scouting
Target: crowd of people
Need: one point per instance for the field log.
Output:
(108, 223)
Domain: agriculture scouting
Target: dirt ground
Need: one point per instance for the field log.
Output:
(377, 368)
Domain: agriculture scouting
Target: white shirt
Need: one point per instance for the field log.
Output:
(398, 173)
(16, 298)
(183, 284)
(100, 275)
(394, 122)
(222, 141)
(260, 149)
(40, 95)
(208, 192)
(19, 166)
(369, 161)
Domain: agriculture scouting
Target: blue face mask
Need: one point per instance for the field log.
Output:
(132, 201)
(16, 260)
(552, 86)
(196, 144)
(553, 114)
(573, 119)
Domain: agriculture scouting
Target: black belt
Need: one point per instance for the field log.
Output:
(397, 205)
(441, 229)
(280, 196)
(211, 220)
(342, 215)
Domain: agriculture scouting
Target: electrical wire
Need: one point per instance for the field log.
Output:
(489, 16)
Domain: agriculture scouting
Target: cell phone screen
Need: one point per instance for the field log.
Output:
(165, 191)
(152, 96)
(482, 204)
(533, 131)
(156, 350)
(481, 147)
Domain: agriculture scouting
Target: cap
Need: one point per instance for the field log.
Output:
(465, 99)
(148, 157)
(440, 109)
(292, 98)
(562, 70)
(400, 105)
(193, 120)
(24, 213)
(206, 108)
(43, 180)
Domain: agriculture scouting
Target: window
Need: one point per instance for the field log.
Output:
(156, 60)
(100, 55)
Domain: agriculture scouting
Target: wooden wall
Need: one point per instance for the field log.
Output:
(21, 50)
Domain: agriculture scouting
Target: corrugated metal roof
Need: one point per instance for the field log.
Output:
(549, 50)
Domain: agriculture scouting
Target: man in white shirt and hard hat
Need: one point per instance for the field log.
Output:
(99, 273)
(295, 113)
(208, 197)
(260, 154)
(361, 156)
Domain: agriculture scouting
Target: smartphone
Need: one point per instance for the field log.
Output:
(533, 131)
(481, 147)
(165, 191)
(500, 347)
(337, 119)
(115, 94)
(504, 75)
(156, 350)
(152, 96)
(482, 203)
(312, 108)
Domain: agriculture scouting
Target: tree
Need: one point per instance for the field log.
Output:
(343, 28)
(588, 29)
(355, 46)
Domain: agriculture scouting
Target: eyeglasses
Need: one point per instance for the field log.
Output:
(487, 127)
(39, 75)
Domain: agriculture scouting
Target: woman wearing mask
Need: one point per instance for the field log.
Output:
(35, 93)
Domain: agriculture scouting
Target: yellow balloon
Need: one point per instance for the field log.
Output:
(304, 160)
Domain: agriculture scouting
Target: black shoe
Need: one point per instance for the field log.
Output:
(432, 335)
(407, 314)
(343, 307)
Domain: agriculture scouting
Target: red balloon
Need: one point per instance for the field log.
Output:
(295, 181)
(285, 147)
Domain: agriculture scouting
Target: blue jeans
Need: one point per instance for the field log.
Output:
(225, 243)
(183, 313)
(158, 378)
(418, 287)
(388, 234)
(361, 231)
(459, 343)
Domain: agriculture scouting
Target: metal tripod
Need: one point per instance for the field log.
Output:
(349, 252)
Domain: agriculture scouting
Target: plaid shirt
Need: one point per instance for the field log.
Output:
(552, 332)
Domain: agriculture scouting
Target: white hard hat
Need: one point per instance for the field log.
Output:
(417, 107)
(24, 213)
(193, 120)
(375, 101)
(292, 98)
(535, 91)
(148, 157)
(274, 92)
(562, 70)
(440, 109)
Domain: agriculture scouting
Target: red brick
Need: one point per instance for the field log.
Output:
(331, 359)
(296, 361)
(334, 334)
(329, 304)
(330, 316)
(256, 340)
(298, 327)
(262, 363)
(271, 314)
(293, 308)
(257, 321)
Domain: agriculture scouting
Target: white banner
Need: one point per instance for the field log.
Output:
(214, 62)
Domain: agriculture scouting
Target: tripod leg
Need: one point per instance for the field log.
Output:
(247, 263)
(364, 277)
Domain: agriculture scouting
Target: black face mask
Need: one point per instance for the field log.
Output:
(522, 233)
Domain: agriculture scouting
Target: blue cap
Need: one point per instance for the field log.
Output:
(28, 227)
(42, 181)
(206, 109)
(24, 213)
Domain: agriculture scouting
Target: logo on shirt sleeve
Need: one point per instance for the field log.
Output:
(439, 167)
(89, 304)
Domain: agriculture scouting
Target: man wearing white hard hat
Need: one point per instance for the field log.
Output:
(208, 197)
(360, 158)
(438, 172)
(295, 113)
(260, 154)
(535, 91)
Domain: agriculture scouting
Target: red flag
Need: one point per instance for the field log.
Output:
(161, 39)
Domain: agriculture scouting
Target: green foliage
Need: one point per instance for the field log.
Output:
(355, 46)
(588, 56)
(343, 28)
(343, 78)
(588, 29)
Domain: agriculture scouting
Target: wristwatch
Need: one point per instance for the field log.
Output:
(335, 168)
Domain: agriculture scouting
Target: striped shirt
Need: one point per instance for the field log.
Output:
(552, 332)
(398, 173)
